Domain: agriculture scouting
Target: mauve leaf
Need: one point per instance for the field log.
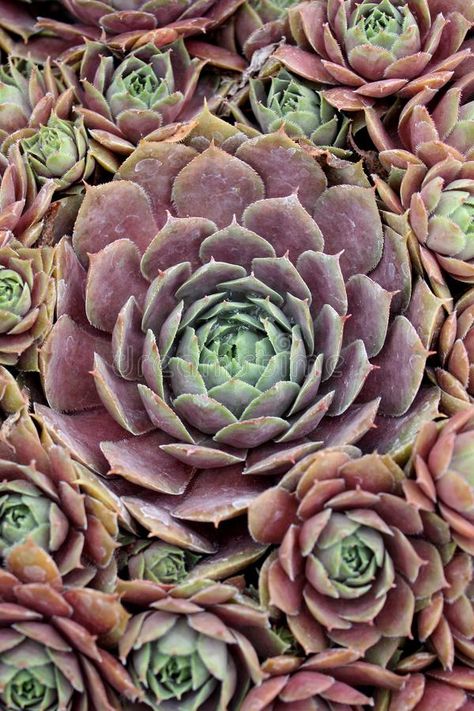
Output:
(270, 515)
(153, 513)
(179, 240)
(401, 364)
(285, 224)
(110, 212)
(235, 244)
(284, 168)
(357, 232)
(142, 461)
(369, 309)
(82, 433)
(205, 187)
(67, 357)
(113, 276)
(121, 398)
(322, 274)
(154, 166)
(231, 494)
(251, 433)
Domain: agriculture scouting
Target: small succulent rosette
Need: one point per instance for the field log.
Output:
(27, 299)
(196, 646)
(48, 498)
(128, 98)
(301, 108)
(55, 639)
(29, 94)
(453, 371)
(375, 50)
(131, 24)
(59, 150)
(353, 560)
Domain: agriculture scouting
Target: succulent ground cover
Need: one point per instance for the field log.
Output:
(236, 355)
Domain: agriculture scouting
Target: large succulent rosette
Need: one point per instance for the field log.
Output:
(27, 297)
(377, 49)
(454, 371)
(194, 648)
(352, 561)
(53, 639)
(230, 330)
(48, 498)
(123, 101)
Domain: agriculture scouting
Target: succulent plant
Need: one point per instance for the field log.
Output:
(441, 213)
(157, 561)
(454, 371)
(55, 502)
(191, 647)
(28, 96)
(135, 22)
(442, 463)
(54, 639)
(27, 299)
(217, 342)
(236, 403)
(174, 554)
(433, 125)
(256, 25)
(58, 150)
(377, 49)
(424, 691)
(351, 562)
(22, 206)
(125, 100)
(285, 100)
(321, 682)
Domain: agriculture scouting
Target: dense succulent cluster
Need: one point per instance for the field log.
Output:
(236, 355)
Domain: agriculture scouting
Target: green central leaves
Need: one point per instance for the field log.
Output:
(138, 84)
(143, 84)
(177, 666)
(26, 691)
(23, 515)
(176, 675)
(302, 109)
(235, 351)
(14, 293)
(54, 146)
(350, 555)
(287, 95)
(160, 562)
(379, 21)
(388, 26)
